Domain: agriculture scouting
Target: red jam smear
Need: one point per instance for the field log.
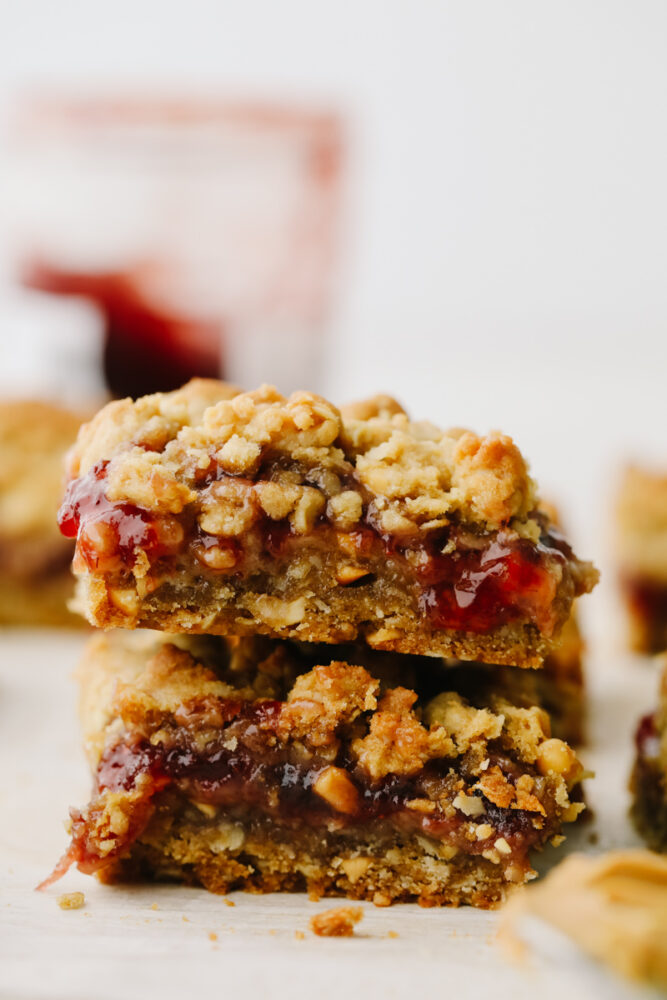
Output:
(246, 767)
(477, 590)
(130, 527)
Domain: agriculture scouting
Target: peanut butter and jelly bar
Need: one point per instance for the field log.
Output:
(270, 765)
(649, 776)
(212, 511)
(35, 577)
(642, 557)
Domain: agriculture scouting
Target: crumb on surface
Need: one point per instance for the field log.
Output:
(229, 902)
(299, 935)
(154, 906)
(392, 934)
(337, 922)
(381, 899)
(71, 900)
(212, 936)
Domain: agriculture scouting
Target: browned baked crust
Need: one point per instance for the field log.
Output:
(212, 511)
(641, 547)
(270, 765)
(649, 776)
(35, 577)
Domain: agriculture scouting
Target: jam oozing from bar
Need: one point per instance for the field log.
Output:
(474, 584)
(245, 769)
(85, 514)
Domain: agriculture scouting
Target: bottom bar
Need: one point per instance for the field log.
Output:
(649, 777)
(269, 765)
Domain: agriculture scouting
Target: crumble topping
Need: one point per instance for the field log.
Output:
(325, 699)
(420, 475)
(397, 743)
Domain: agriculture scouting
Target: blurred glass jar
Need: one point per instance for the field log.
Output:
(204, 232)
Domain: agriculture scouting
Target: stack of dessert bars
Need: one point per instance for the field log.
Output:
(642, 562)
(320, 674)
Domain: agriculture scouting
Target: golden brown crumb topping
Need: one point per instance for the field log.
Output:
(324, 699)
(418, 475)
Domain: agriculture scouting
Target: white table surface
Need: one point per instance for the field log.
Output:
(154, 941)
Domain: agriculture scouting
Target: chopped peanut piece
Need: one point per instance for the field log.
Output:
(555, 755)
(334, 786)
(350, 574)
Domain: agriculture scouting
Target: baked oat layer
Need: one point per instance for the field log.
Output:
(649, 776)
(642, 557)
(213, 511)
(35, 578)
(265, 764)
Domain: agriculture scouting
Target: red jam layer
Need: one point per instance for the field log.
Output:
(247, 768)
(469, 589)
(101, 526)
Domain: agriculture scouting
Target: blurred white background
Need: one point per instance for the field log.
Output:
(505, 236)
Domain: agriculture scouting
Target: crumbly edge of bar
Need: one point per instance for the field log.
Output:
(381, 867)
(306, 619)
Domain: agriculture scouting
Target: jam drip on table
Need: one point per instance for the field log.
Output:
(470, 588)
(273, 780)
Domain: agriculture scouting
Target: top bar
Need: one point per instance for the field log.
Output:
(209, 510)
